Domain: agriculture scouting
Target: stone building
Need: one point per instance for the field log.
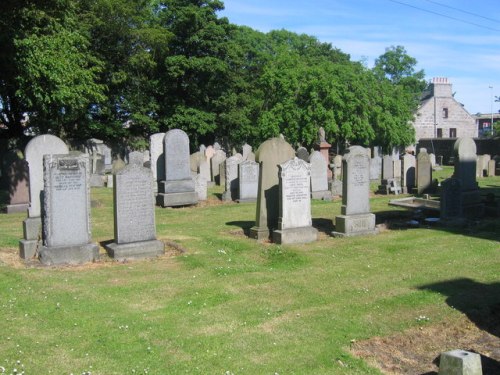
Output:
(441, 116)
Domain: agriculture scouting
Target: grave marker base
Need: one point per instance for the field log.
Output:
(135, 250)
(295, 235)
(76, 254)
(354, 225)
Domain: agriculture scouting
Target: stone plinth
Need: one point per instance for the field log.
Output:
(460, 362)
(354, 225)
(324, 148)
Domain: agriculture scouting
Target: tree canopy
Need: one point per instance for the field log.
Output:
(124, 69)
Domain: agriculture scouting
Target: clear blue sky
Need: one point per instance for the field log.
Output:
(457, 39)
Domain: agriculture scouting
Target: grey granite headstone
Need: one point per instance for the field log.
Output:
(157, 158)
(248, 179)
(396, 166)
(408, 164)
(35, 150)
(337, 167)
(387, 167)
(270, 154)
(432, 158)
(178, 187)
(491, 168)
(204, 170)
(302, 154)
(355, 218)
(200, 186)
(424, 172)
(246, 151)
(195, 159)
(451, 205)
(217, 159)
(295, 221)
(231, 177)
(319, 177)
(375, 168)
(460, 362)
(134, 213)
(67, 235)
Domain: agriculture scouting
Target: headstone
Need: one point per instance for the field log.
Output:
(118, 165)
(204, 170)
(270, 154)
(222, 173)
(337, 167)
(432, 158)
(324, 148)
(387, 167)
(451, 205)
(248, 179)
(408, 163)
(336, 187)
(375, 168)
(209, 153)
(134, 213)
(424, 172)
(178, 187)
(195, 160)
(17, 186)
(246, 151)
(319, 177)
(108, 161)
(460, 362)
(486, 160)
(203, 148)
(396, 170)
(303, 154)
(479, 166)
(295, 221)
(491, 168)
(67, 235)
(109, 181)
(200, 186)
(355, 218)
(157, 158)
(231, 176)
(251, 156)
(217, 147)
(35, 150)
(217, 159)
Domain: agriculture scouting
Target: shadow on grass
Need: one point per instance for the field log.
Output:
(323, 225)
(245, 225)
(481, 303)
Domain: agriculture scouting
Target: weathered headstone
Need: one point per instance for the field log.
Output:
(295, 221)
(200, 186)
(387, 167)
(375, 168)
(303, 154)
(396, 167)
(246, 151)
(355, 218)
(118, 165)
(432, 158)
(35, 150)
(319, 177)
(157, 158)
(479, 166)
(451, 205)
(195, 159)
(67, 235)
(491, 168)
(460, 362)
(424, 172)
(324, 148)
(248, 179)
(17, 179)
(204, 170)
(178, 187)
(270, 154)
(408, 164)
(217, 159)
(134, 213)
(231, 177)
(337, 167)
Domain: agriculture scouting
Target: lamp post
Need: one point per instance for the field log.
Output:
(491, 109)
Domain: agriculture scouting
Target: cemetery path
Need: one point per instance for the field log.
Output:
(417, 350)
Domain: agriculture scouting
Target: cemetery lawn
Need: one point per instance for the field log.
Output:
(221, 303)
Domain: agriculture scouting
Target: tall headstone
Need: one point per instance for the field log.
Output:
(295, 221)
(303, 154)
(204, 170)
(451, 205)
(248, 180)
(35, 150)
(200, 186)
(491, 168)
(432, 158)
(424, 172)
(387, 167)
(67, 237)
(157, 158)
(246, 151)
(319, 177)
(134, 213)
(355, 218)
(270, 154)
(408, 164)
(337, 167)
(17, 180)
(231, 177)
(178, 187)
(324, 148)
(375, 168)
(217, 159)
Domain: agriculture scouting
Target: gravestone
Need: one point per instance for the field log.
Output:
(432, 158)
(451, 205)
(337, 167)
(195, 160)
(200, 186)
(157, 158)
(460, 362)
(246, 151)
(17, 179)
(204, 170)
(424, 172)
(248, 179)
(396, 167)
(178, 187)
(375, 168)
(408, 163)
(270, 154)
(118, 165)
(295, 221)
(67, 235)
(479, 166)
(217, 159)
(491, 168)
(387, 175)
(355, 218)
(303, 154)
(465, 170)
(319, 177)
(134, 213)
(324, 148)
(217, 147)
(231, 177)
(35, 150)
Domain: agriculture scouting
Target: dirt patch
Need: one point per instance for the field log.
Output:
(416, 351)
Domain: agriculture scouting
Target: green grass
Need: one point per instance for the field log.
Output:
(231, 304)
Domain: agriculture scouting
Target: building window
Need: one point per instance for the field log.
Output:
(445, 112)
(453, 132)
(440, 133)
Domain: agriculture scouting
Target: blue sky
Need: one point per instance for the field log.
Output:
(457, 39)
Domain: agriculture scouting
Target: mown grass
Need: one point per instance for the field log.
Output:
(231, 305)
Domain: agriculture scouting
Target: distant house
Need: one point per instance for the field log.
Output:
(484, 123)
(441, 116)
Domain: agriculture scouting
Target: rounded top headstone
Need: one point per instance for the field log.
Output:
(465, 147)
(136, 158)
